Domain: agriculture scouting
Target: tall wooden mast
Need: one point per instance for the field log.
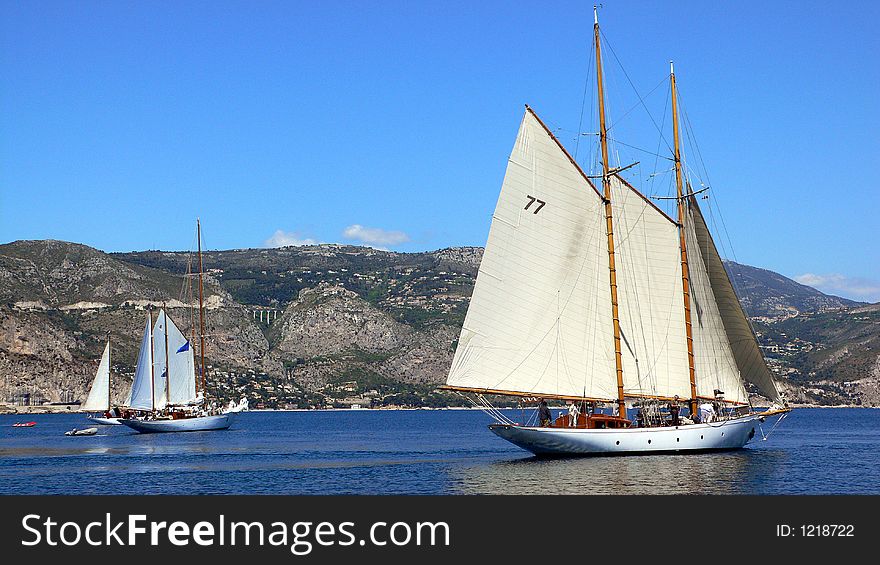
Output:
(609, 224)
(152, 364)
(192, 319)
(109, 371)
(201, 308)
(167, 359)
(685, 276)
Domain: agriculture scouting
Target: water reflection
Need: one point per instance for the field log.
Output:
(734, 472)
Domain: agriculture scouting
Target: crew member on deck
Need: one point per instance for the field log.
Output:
(673, 410)
(573, 415)
(544, 415)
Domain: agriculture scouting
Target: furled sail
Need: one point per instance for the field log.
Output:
(99, 395)
(650, 299)
(140, 396)
(181, 373)
(539, 320)
(742, 358)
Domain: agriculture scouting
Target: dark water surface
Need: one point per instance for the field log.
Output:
(814, 451)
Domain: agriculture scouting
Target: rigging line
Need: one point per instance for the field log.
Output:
(491, 410)
(717, 207)
(662, 124)
(617, 141)
(737, 289)
(486, 408)
(544, 337)
(584, 100)
(561, 354)
(634, 106)
(597, 265)
(608, 43)
(556, 347)
(691, 136)
(654, 358)
(629, 262)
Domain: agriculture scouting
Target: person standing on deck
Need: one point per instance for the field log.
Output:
(573, 413)
(544, 415)
(673, 410)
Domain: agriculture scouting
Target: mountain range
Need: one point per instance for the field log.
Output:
(324, 325)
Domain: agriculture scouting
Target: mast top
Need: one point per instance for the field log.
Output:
(671, 68)
(595, 15)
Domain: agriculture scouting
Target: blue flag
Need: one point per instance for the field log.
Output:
(184, 347)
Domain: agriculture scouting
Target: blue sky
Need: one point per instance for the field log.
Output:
(389, 123)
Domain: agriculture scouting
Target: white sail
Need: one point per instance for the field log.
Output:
(140, 396)
(99, 395)
(742, 350)
(182, 380)
(650, 298)
(539, 321)
(715, 366)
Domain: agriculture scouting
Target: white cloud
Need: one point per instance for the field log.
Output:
(854, 288)
(282, 238)
(374, 236)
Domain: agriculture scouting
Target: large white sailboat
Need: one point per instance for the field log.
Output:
(98, 400)
(593, 295)
(166, 387)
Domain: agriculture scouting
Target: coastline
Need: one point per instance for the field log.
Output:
(7, 410)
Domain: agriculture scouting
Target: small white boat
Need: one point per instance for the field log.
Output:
(82, 432)
(189, 424)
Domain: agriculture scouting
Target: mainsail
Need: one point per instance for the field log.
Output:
(141, 395)
(99, 395)
(539, 321)
(180, 364)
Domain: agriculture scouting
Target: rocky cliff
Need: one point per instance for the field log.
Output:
(307, 326)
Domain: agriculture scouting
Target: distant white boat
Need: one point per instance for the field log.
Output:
(242, 406)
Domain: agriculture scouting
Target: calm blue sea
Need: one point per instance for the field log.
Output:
(814, 451)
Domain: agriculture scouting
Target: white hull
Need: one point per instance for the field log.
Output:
(105, 421)
(197, 424)
(724, 435)
(84, 432)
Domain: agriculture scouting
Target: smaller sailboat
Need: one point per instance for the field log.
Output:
(174, 400)
(98, 400)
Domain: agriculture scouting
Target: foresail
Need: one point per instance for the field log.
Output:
(539, 321)
(99, 395)
(714, 363)
(742, 346)
(650, 299)
(182, 367)
(140, 395)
